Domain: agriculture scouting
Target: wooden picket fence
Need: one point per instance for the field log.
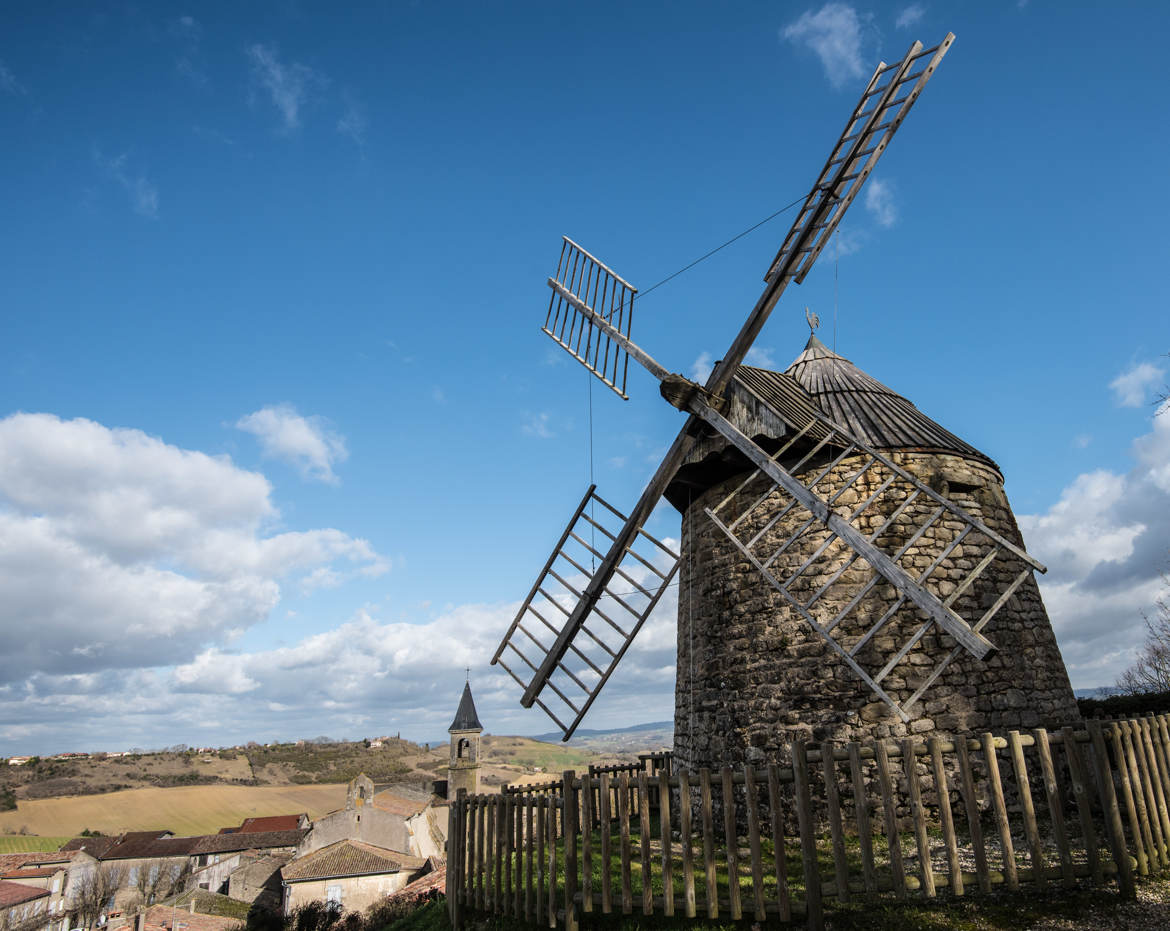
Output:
(1089, 805)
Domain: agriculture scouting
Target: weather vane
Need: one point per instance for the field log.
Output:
(813, 320)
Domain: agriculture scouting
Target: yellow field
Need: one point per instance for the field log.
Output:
(185, 810)
(22, 844)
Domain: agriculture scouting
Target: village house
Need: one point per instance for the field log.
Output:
(353, 874)
(23, 907)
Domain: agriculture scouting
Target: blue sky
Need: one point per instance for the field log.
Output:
(281, 443)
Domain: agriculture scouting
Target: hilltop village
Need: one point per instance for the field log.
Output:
(385, 842)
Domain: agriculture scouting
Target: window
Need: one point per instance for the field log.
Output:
(333, 894)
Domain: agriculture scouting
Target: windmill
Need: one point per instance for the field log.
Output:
(591, 599)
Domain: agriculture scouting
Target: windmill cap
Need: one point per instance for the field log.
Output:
(875, 413)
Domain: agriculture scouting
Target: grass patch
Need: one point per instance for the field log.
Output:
(28, 843)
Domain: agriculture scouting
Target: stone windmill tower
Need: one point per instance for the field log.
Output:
(752, 673)
(844, 554)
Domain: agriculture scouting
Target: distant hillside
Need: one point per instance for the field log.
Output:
(621, 741)
(302, 763)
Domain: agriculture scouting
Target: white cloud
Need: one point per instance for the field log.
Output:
(537, 425)
(289, 85)
(8, 82)
(118, 550)
(143, 194)
(353, 122)
(305, 442)
(701, 368)
(761, 357)
(834, 33)
(909, 16)
(1106, 544)
(879, 201)
(1132, 387)
(1082, 440)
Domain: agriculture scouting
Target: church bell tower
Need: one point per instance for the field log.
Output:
(465, 731)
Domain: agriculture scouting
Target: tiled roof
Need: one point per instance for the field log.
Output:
(397, 805)
(436, 879)
(31, 872)
(159, 917)
(17, 893)
(348, 858)
(271, 823)
(140, 844)
(94, 846)
(14, 861)
(228, 843)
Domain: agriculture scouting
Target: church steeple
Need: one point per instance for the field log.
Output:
(463, 768)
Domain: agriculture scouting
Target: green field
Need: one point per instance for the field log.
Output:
(185, 810)
(22, 843)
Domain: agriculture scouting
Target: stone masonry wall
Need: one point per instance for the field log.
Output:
(752, 675)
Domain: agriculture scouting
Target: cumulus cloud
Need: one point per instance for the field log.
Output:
(305, 442)
(761, 357)
(702, 367)
(833, 33)
(879, 201)
(909, 16)
(1107, 545)
(288, 85)
(142, 192)
(118, 550)
(1133, 386)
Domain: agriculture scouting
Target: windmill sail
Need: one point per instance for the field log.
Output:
(637, 585)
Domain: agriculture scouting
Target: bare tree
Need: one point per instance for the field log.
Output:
(1151, 672)
(94, 892)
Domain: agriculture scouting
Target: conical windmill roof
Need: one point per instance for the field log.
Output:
(876, 414)
(465, 718)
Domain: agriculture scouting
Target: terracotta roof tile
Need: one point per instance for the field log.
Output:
(435, 880)
(94, 846)
(159, 917)
(270, 823)
(16, 893)
(397, 805)
(14, 861)
(228, 843)
(31, 872)
(349, 858)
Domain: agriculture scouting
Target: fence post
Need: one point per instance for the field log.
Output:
(455, 858)
(1112, 812)
(570, 821)
(1010, 875)
(945, 815)
(833, 799)
(918, 816)
(1031, 828)
(1129, 796)
(971, 804)
(890, 813)
(1055, 810)
(1080, 787)
(808, 842)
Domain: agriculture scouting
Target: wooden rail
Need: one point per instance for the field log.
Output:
(909, 818)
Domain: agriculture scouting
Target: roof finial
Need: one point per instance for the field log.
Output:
(813, 320)
(468, 669)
